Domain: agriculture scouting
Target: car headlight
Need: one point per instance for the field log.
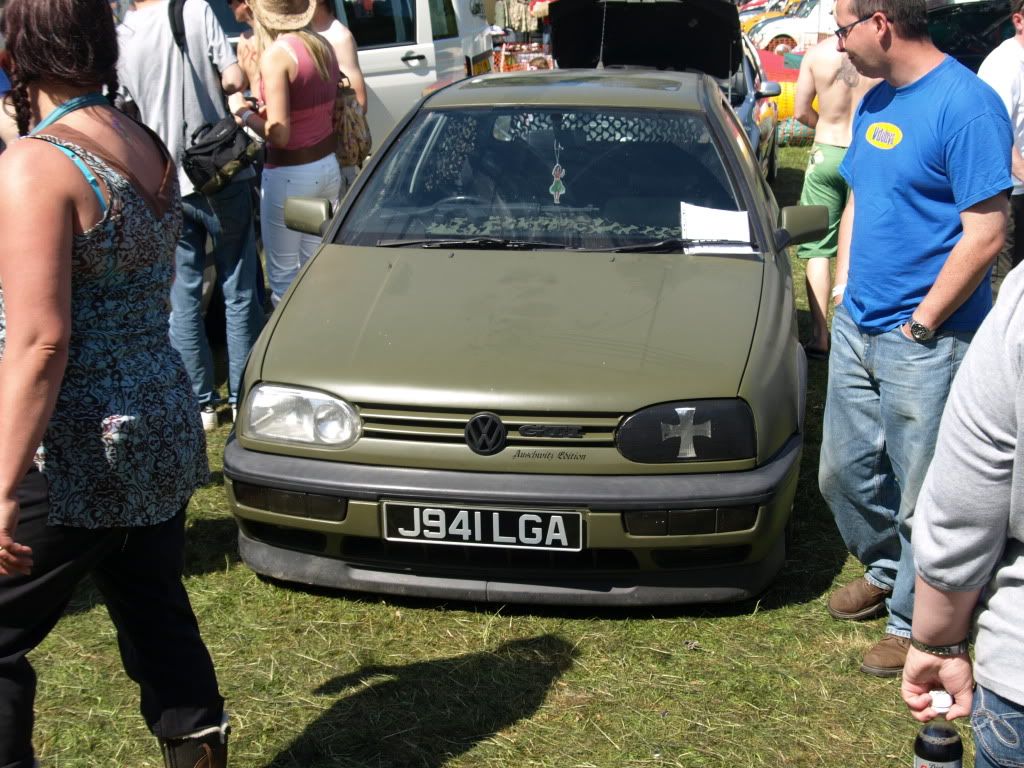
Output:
(293, 415)
(693, 430)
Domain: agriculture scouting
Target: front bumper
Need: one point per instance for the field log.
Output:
(349, 553)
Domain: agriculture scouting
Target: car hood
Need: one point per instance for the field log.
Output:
(969, 29)
(531, 331)
(701, 35)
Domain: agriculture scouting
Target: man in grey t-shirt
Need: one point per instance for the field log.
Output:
(176, 93)
(968, 543)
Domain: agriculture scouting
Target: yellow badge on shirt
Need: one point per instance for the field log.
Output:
(883, 135)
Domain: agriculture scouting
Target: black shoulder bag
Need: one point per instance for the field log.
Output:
(214, 153)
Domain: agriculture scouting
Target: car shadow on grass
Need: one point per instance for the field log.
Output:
(427, 713)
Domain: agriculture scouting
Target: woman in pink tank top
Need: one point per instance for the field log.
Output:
(298, 83)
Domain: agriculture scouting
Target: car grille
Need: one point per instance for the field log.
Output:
(425, 425)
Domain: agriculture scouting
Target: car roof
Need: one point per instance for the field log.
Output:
(612, 87)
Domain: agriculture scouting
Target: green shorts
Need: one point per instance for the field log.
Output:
(823, 185)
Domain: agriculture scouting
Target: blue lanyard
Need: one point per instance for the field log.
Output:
(79, 102)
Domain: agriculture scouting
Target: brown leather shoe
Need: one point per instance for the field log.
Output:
(886, 657)
(858, 600)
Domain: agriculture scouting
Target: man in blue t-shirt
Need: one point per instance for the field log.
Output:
(929, 171)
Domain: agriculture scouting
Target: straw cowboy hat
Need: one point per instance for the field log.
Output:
(284, 15)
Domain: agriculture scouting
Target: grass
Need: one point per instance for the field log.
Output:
(317, 679)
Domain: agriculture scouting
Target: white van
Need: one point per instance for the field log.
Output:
(405, 46)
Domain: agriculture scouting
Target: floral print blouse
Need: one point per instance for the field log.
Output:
(125, 445)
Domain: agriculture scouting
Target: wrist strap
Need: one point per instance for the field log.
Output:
(957, 649)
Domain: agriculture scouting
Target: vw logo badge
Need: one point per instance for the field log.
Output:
(485, 434)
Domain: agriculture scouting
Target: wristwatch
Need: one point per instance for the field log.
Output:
(920, 331)
(957, 649)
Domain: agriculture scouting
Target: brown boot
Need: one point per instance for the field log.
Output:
(886, 657)
(203, 749)
(858, 600)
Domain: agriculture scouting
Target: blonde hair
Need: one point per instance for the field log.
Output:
(319, 49)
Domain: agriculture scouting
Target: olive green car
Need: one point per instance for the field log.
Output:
(547, 353)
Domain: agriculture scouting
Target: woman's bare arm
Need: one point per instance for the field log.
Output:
(37, 214)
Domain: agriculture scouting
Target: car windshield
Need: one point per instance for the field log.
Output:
(528, 176)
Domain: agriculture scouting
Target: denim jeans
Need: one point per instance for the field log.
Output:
(286, 250)
(227, 217)
(998, 731)
(885, 399)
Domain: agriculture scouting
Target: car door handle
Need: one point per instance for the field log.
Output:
(410, 56)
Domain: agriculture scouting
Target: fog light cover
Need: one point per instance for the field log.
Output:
(295, 503)
(694, 430)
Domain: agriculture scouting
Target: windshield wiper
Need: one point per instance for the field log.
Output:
(495, 243)
(673, 244)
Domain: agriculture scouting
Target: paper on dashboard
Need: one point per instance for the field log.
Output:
(715, 224)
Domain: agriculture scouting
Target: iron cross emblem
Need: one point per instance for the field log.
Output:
(685, 430)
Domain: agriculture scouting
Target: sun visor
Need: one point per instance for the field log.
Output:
(701, 35)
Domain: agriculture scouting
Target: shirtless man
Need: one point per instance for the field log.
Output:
(829, 75)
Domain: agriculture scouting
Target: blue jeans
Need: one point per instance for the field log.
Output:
(885, 399)
(998, 731)
(227, 217)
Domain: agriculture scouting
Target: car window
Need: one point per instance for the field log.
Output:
(743, 144)
(376, 23)
(754, 63)
(736, 88)
(579, 178)
(443, 24)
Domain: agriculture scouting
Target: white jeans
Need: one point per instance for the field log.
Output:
(287, 251)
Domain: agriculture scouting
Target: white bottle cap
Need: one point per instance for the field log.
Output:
(941, 701)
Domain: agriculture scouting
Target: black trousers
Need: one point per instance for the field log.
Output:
(138, 571)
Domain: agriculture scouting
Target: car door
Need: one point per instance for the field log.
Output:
(396, 54)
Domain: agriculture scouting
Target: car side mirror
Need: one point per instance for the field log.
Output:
(769, 90)
(800, 224)
(307, 214)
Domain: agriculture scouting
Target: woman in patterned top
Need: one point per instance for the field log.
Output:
(101, 445)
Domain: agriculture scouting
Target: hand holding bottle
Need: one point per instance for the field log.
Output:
(924, 672)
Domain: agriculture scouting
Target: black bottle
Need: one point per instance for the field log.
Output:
(938, 744)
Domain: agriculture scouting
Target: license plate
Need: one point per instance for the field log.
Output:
(484, 526)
